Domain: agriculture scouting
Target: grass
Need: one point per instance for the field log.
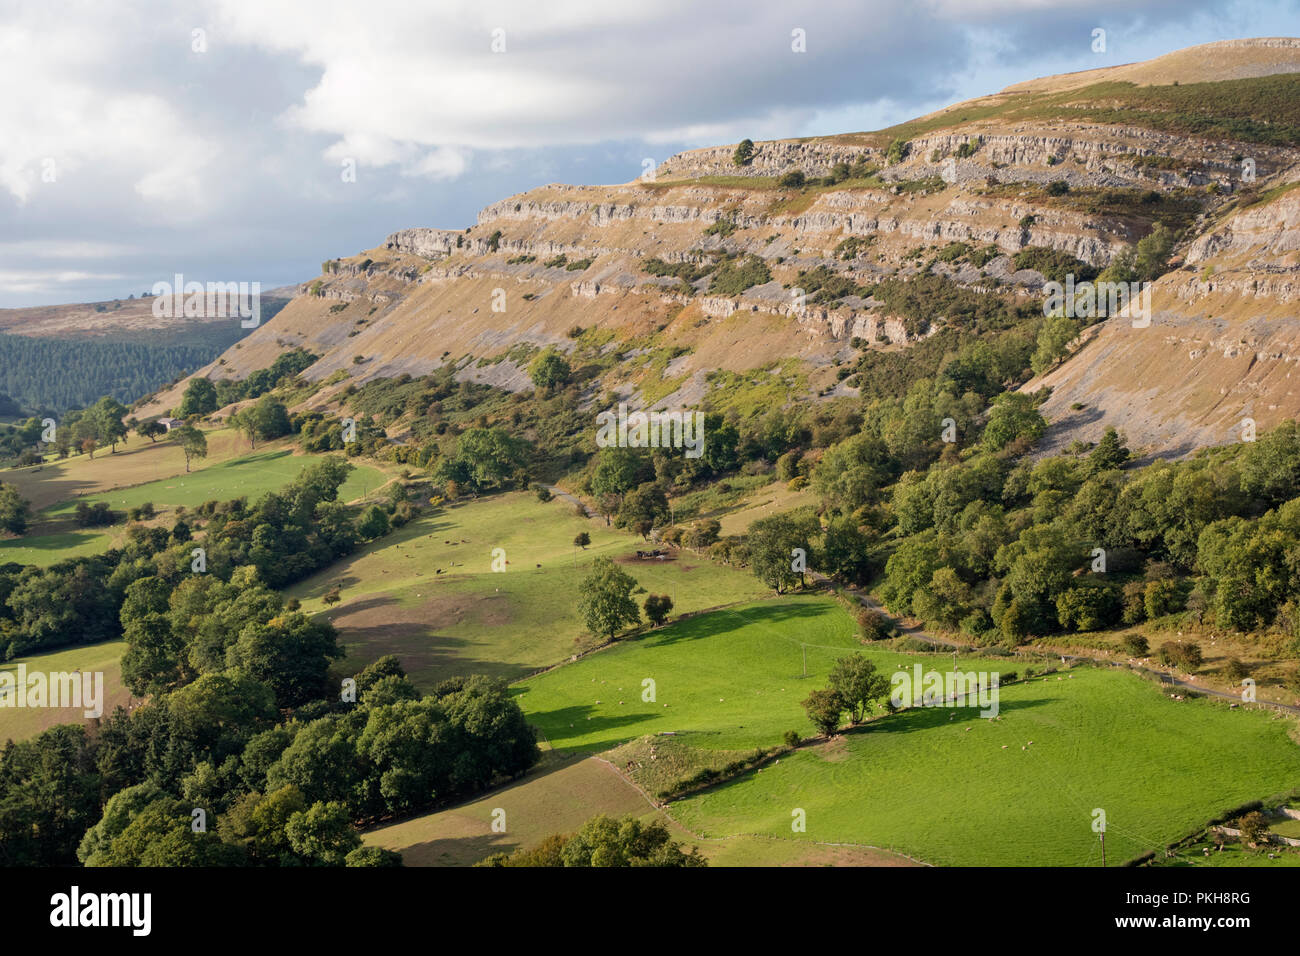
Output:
(730, 680)
(558, 797)
(470, 619)
(930, 787)
(19, 723)
(251, 476)
(134, 464)
(1258, 109)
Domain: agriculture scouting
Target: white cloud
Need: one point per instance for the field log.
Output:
(63, 116)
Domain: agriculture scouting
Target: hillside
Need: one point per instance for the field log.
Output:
(696, 271)
(57, 357)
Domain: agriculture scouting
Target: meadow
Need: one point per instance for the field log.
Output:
(19, 723)
(134, 463)
(53, 537)
(470, 619)
(1020, 790)
(561, 795)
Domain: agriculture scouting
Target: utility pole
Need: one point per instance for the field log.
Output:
(1103, 848)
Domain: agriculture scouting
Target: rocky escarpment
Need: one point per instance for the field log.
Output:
(706, 259)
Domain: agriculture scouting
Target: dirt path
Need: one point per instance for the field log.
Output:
(561, 493)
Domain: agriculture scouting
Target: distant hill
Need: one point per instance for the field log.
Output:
(67, 356)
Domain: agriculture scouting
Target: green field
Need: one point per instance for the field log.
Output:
(19, 723)
(978, 792)
(558, 797)
(470, 619)
(731, 680)
(248, 476)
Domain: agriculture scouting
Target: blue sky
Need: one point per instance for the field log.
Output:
(144, 138)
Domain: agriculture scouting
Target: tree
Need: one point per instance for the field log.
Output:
(193, 442)
(244, 423)
(855, 681)
(657, 608)
(268, 419)
(106, 420)
(1014, 416)
(322, 834)
(606, 604)
(549, 370)
(604, 841)
(744, 153)
(1254, 828)
(824, 708)
(290, 653)
(1110, 452)
(703, 534)
(643, 509)
(581, 540)
(14, 509)
(1153, 251)
(152, 430)
(775, 544)
(374, 523)
(199, 399)
(1054, 338)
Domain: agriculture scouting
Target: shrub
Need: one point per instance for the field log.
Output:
(872, 625)
(792, 738)
(744, 153)
(795, 179)
(1135, 645)
(1185, 655)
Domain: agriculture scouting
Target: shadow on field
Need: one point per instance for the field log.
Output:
(928, 718)
(614, 730)
(724, 621)
(427, 657)
(457, 851)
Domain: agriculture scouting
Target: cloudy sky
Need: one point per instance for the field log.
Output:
(141, 138)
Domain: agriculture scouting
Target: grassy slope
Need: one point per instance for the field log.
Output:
(559, 797)
(19, 723)
(133, 464)
(250, 475)
(729, 680)
(470, 619)
(928, 786)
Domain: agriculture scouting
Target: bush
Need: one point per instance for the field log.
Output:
(657, 608)
(93, 516)
(792, 738)
(744, 153)
(795, 179)
(872, 625)
(1135, 645)
(1185, 655)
